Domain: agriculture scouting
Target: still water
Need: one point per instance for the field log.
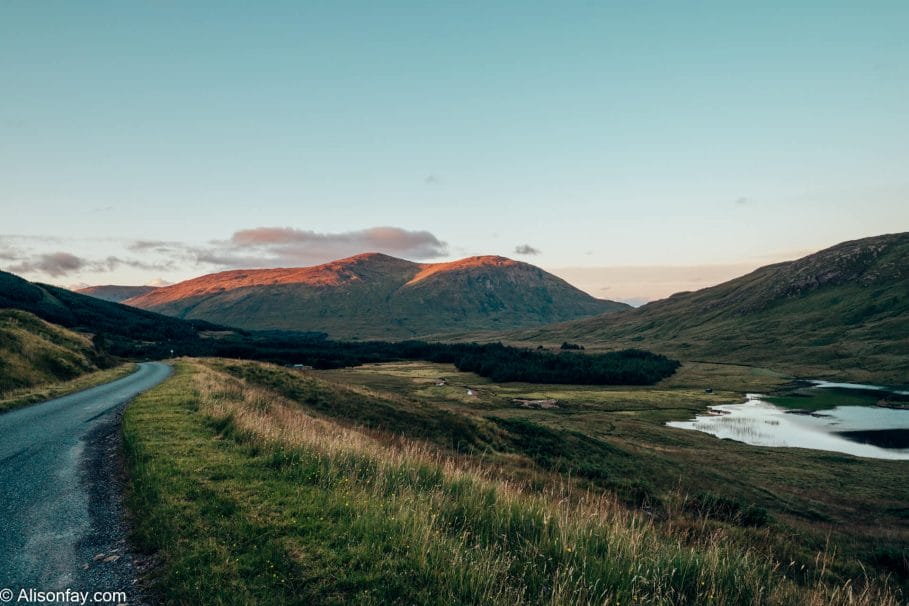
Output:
(864, 431)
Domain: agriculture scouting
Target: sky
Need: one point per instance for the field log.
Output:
(635, 149)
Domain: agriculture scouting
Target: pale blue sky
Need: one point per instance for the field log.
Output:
(600, 133)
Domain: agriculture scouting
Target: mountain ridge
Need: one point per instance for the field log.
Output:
(373, 295)
(844, 308)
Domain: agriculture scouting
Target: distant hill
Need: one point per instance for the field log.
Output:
(115, 293)
(375, 296)
(845, 308)
(82, 312)
(34, 352)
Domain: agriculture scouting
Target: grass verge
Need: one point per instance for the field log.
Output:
(33, 395)
(247, 497)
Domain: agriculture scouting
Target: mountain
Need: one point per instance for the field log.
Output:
(843, 309)
(377, 296)
(115, 293)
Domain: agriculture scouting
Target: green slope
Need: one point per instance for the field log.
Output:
(34, 352)
(842, 311)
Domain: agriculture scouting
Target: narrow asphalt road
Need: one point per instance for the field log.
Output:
(59, 490)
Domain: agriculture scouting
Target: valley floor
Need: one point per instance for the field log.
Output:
(415, 483)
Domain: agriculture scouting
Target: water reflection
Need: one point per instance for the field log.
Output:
(865, 431)
(857, 386)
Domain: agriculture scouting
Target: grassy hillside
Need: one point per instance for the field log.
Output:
(40, 361)
(375, 296)
(111, 320)
(34, 352)
(841, 312)
(254, 483)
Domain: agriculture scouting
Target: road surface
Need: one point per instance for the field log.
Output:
(60, 510)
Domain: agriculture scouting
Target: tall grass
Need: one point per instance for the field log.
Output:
(454, 528)
(34, 352)
(40, 361)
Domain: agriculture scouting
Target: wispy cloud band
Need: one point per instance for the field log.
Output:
(246, 248)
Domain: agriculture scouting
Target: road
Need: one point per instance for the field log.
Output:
(60, 501)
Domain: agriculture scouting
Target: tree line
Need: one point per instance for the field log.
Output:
(496, 361)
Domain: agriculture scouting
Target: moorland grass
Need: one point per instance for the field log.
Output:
(40, 361)
(250, 497)
(615, 439)
(34, 352)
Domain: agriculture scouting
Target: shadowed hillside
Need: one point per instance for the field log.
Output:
(842, 309)
(77, 311)
(34, 352)
(377, 296)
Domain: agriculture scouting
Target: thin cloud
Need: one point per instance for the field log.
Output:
(247, 248)
(526, 249)
(226, 259)
(56, 264)
(8, 254)
(271, 246)
(153, 245)
(112, 263)
(60, 264)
